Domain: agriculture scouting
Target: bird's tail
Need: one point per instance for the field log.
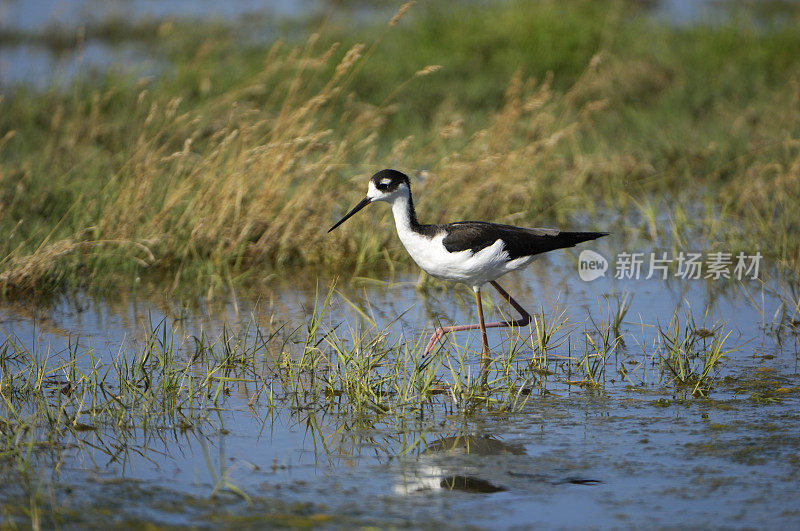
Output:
(574, 238)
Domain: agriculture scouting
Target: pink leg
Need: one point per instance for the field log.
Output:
(524, 320)
(486, 359)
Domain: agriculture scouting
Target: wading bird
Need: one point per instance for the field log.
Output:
(471, 252)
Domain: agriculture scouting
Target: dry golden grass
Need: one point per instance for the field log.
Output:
(255, 184)
(212, 187)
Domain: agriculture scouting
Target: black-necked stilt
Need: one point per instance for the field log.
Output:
(471, 252)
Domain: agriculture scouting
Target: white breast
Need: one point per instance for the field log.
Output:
(473, 269)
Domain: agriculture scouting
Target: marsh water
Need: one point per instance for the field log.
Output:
(32, 62)
(634, 450)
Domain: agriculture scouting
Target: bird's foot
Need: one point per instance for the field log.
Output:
(435, 337)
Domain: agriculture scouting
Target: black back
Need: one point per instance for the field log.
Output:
(518, 241)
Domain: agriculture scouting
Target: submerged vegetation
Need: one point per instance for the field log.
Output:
(171, 386)
(169, 379)
(229, 163)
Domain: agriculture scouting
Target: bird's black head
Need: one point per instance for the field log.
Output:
(386, 185)
(387, 181)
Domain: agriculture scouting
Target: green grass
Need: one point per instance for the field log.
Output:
(691, 356)
(168, 381)
(228, 166)
(171, 385)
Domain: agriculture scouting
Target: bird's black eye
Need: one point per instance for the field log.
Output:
(384, 185)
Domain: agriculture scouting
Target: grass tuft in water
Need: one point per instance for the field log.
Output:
(690, 355)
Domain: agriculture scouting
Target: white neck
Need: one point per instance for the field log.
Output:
(402, 215)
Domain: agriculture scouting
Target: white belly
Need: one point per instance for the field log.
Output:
(473, 269)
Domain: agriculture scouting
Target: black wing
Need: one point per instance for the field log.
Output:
(519, 242)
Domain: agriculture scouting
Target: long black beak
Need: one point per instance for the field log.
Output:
(364, 202)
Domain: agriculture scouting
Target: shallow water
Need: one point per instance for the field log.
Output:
(34, 65)
(36, 15)
(633, 451)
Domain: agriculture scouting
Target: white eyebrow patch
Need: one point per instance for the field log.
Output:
(372, 191)
(385, 181)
